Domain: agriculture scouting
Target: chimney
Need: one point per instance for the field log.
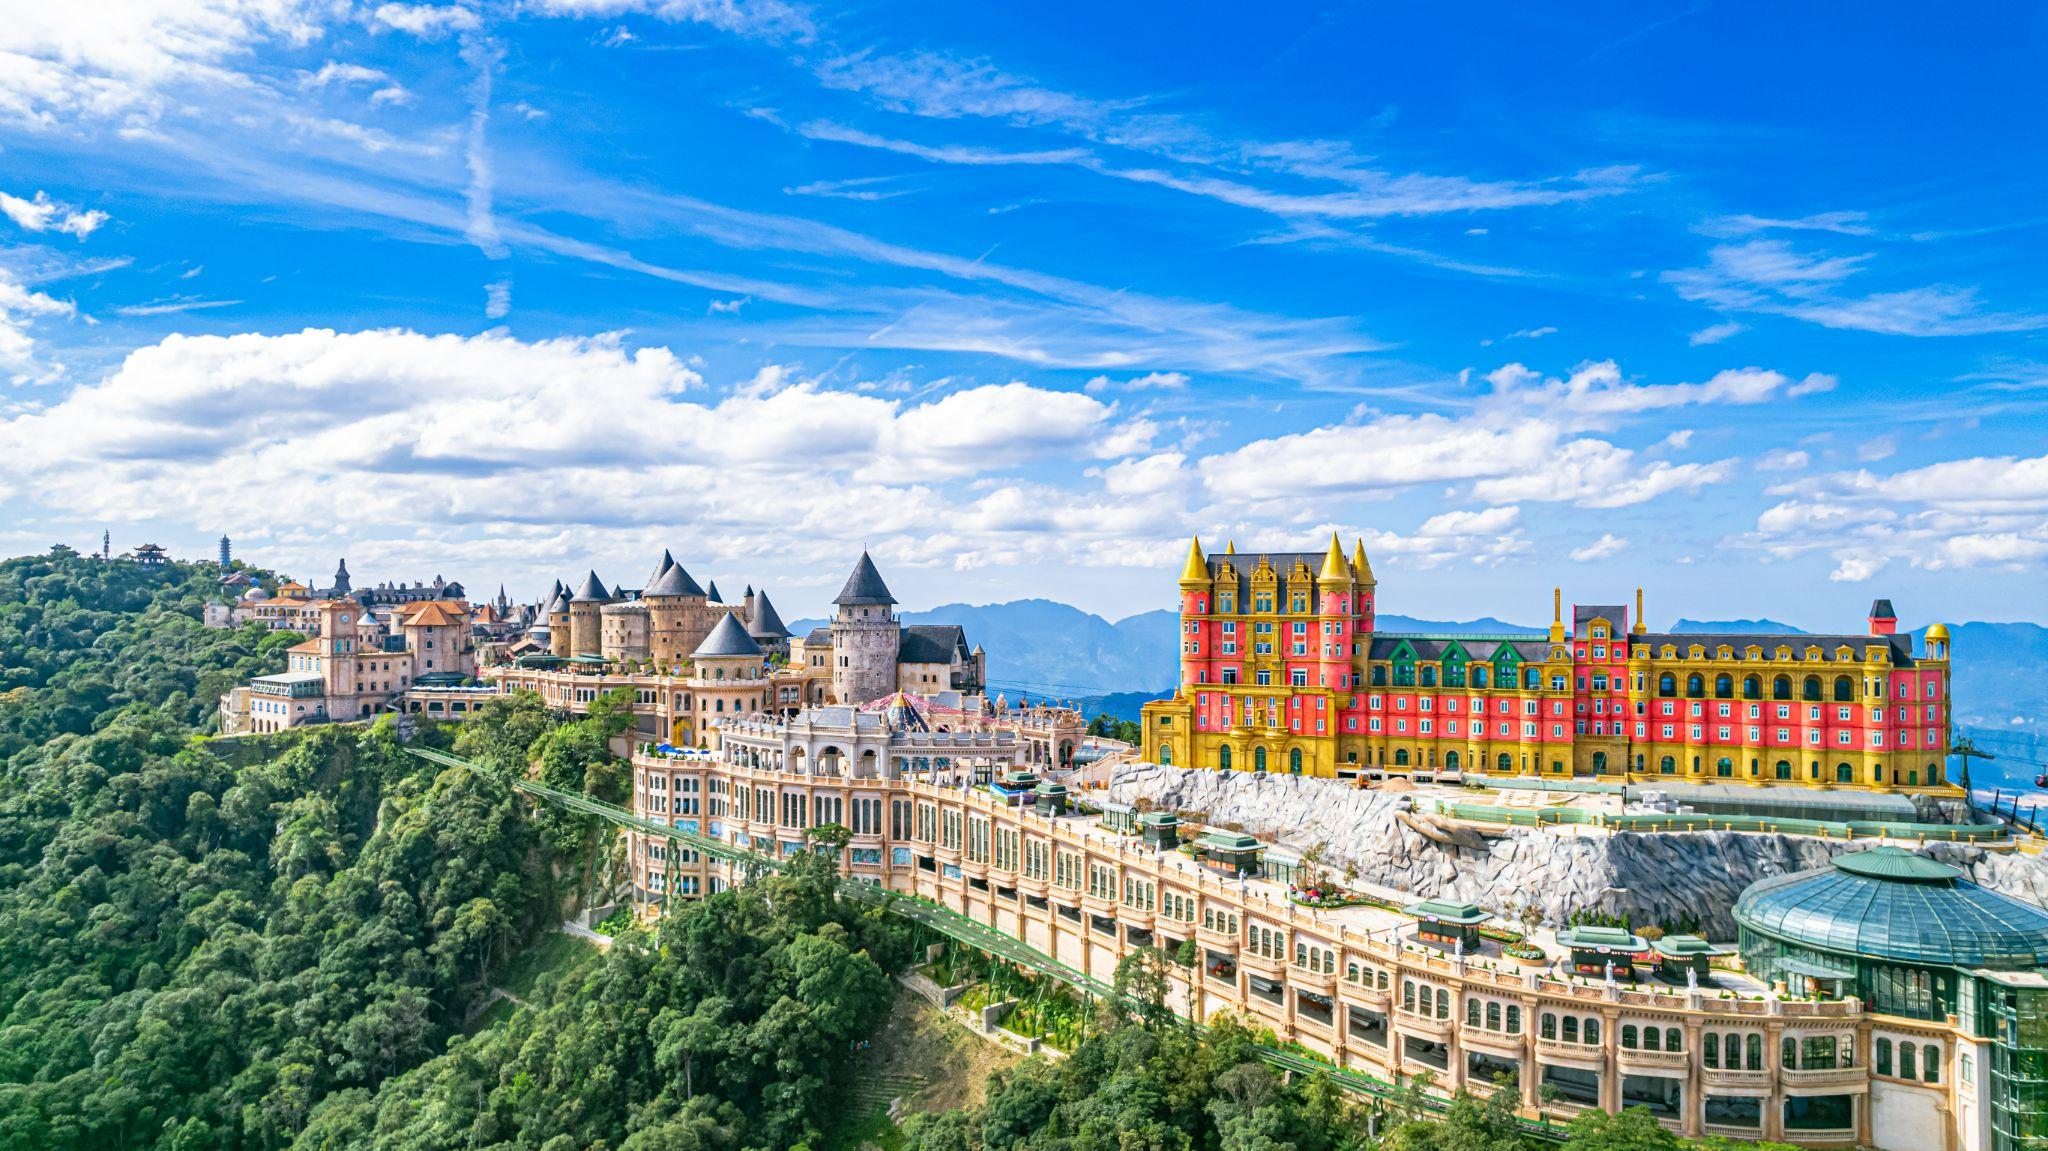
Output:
(1883, 620)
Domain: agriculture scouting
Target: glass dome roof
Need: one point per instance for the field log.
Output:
(1888, 903)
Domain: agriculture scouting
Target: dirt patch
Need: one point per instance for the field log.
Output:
(931, 1060)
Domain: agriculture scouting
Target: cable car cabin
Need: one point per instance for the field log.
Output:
(1678, 954)
(1282, 865)
(1231, 852)
(1014, 788)
(1119, 817)
(1447, 924)
(1161, 829)
(1050, 798)
(1593, 948)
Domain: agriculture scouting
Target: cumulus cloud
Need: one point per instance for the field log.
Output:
(42, 214)
(427, 21)
(20, 308)
(1160, 381)
(1607, 546)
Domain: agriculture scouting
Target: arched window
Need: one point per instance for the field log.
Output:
(1493, 1017)
(1400, 757)
(1450, 761)
(1710, 1052)
(1443, 1004)
(1930, 1063)
(1845, 689)
(1884, 1056)
(1755, 1046)
(1514, 1020)
(1788, 1053)
(1165, 756)
(1724, 768)
(1407, 995)
(1908, 1068)
(1223, 758)
(1695, 685)
(1844, 773)
(1752, 687)
(1667, 684)
(1479, 676)
(1783, 770)
(1781, 687)
(1259, 758)
(1592, 1031)
(1671, 1039)
(1472, 1012)
(1379, 676)
(1667, 766)
(1628, 1036)
(1809, 688)
(1294, 760)
(1724, 686)
(1504, 763)
(1547, 1026)
(1571, 1029)
(1429, 677)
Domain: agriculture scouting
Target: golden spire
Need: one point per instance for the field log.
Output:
(1335, 570)
(1197, 567)
(1232, 549)
(1557, 615)
(1363, 565)
(1640, 627)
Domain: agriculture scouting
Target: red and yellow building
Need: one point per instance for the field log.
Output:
(1282, 670)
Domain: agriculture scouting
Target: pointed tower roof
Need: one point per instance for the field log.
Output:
(865, 585)
(667, 561)
(1335, 570)
(592, 591)
(715, 597)
(765, 624)
(1359, 561)
(1196, 570)
(727, 639)
(673, 582)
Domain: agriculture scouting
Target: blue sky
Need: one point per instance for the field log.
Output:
(1741, 305)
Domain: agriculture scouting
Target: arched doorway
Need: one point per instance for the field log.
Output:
(1294, 760)
(1259, 758)
(1166, 757)
(1504, 763)
(1599, 763)
(1400, 757)
(1450, 761)
(1223, 758)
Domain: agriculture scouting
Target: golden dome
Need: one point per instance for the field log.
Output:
(1938, 633)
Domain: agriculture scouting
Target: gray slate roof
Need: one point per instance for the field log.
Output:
(673, 582)
(727, 639)
(667, 561)
(592, 590)
(865, 585)
(765, 624)
(715, 597)
(1283, 566)
(933, 643)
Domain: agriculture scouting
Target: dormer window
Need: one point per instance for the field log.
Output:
(1599, 631)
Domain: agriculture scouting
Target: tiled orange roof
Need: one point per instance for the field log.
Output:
(310, 647)
(435, 613)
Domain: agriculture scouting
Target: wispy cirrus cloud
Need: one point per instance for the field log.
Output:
(1772, 277)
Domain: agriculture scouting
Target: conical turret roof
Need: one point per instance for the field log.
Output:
(1335, 570)
(592, 591)
(667, 561)
(673, 582)
(729, 638)
(865, 585)
(1196, 570)
(715, 597)
(765, 624)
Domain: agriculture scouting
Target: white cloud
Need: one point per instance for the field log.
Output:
(427, 21)
(497, 299)
(1843, 223)
(42, 214)
(1160, 381)
(1714, 333)
(1147, 475)
(20, 308)
(1770, 276)
(1532, 333)
(335, 72)
(172, 306)
(1782, 460)
(728, 307)
(1607, 546)
(1677, 441)
(1877, 448)
(1597, 391)
(767, 19)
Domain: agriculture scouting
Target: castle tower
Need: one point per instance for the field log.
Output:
(865, 637)
(340, 627)
(586, 624)
(1336, 591)
(556, 614)
(676, 618)
(1883, 620)
(1368, 588)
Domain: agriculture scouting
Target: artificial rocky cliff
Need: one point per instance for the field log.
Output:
(1651, 878)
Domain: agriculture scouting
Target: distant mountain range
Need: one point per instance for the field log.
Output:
(1042, 648)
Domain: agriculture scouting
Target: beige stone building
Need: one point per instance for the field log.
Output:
(355, 666)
